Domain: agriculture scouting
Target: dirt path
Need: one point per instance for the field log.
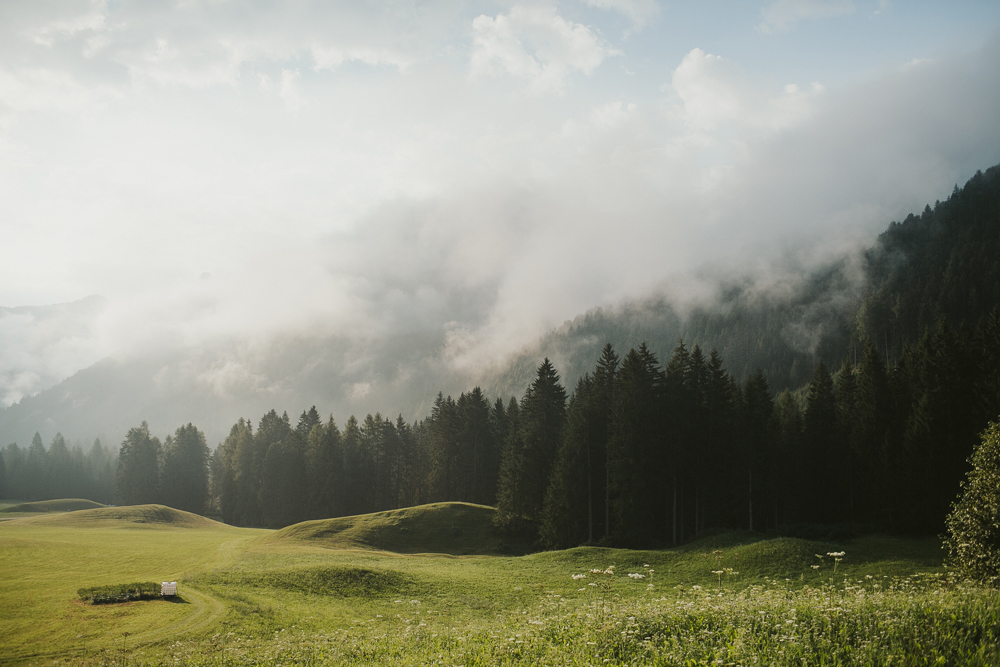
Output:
(205, 611)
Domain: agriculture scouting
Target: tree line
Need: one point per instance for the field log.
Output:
(37, 473)
(642, 453)
(638, 454)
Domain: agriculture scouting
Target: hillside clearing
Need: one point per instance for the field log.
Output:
(293, 596)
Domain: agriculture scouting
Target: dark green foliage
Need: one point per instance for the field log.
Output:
(531, 448)
(184, 481)
(138, 477)
(973, 537)
(70, 473)
(944, 262)
(758, 413)
(325, 457)
(823, 451)
(144, 590)
(640, 466)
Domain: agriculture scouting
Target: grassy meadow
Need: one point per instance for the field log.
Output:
(432, 585)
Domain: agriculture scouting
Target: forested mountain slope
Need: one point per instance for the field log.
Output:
(943, 262)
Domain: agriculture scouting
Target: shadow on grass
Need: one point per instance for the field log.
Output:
(175, 599)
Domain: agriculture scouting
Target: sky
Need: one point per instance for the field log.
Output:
(469, 173)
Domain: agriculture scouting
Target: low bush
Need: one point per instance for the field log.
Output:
(142, 590)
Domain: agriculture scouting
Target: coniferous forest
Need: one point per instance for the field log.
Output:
(650, 447)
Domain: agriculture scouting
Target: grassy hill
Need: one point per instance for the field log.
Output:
(413, 585)
(130, 517)
(46, 506)
(448, 528)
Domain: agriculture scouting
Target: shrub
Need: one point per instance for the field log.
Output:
(143, 590)
(973, 539)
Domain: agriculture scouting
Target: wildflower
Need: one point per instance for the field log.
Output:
(579, 576)
(815, 567)
(636, 575)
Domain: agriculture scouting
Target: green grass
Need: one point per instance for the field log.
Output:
(18, 510)
(333, 592)
(449, 528)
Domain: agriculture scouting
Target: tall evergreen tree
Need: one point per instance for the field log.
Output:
(637, 462)
(36, 470)
(567, 511)
(184, 481)
(824, 457)
(325, 456)
(61, 480)
(757, 414)
(543, 417)
(138, 476)
(283, 475)
(512, 511)
(479, 460)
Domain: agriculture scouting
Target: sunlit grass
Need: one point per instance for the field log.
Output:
(288, 598)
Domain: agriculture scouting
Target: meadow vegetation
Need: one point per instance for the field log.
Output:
(314, 595)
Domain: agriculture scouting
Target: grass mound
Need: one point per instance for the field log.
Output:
(131, 516)
(450, 528)
(60, 505)
(337, 581)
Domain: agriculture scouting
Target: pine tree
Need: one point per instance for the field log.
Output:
(543, 417)
(325, 455)
(638, 463)
(825, 459)
(60, 481)
(566, 510)
(855, 486)
(511, 512)
(137, 480)
(478, 453)
(36, 470)
(355, 469)
(307, 421)
(184, 480)
(758, 413)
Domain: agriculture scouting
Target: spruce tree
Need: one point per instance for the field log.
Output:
(184, 480)
(565, 513)
(639, 466)
(542, 419)
(825, 459)
(137, 481)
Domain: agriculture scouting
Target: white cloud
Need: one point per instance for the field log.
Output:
(783, 15)
(715, 92)
(639, 12)
(536, 44)
(92, 20)
(289, 90)
(461, 217)
(332, 57)
(611, 115)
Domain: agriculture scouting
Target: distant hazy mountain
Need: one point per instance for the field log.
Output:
(41, 345)
(944, 262)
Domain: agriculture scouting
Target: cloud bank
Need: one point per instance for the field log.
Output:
(453, 178)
